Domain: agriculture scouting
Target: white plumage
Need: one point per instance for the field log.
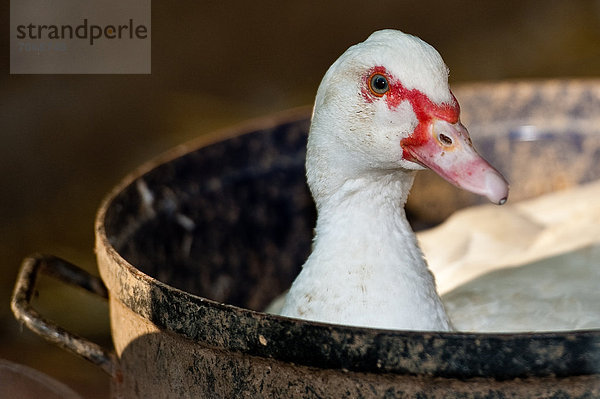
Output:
(383, 111)
(533, 265)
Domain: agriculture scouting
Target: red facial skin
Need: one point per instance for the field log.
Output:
(439, 141)
(424, 109)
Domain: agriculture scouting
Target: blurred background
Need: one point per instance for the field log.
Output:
(67, 140)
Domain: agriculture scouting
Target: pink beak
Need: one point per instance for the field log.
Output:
(446, 148)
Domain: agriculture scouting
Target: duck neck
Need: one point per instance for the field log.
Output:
(364, 208)
(366, 254)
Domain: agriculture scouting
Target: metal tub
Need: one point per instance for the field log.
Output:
(193, 245)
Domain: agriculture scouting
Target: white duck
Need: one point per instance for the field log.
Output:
(383, 111)
(531, 266)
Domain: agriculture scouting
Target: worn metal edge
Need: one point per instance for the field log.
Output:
(259, 319)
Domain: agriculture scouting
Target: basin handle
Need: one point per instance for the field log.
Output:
(69, 274)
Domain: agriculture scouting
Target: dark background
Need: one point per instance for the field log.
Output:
(66, 140)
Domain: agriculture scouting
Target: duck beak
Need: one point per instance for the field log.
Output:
(446, 148)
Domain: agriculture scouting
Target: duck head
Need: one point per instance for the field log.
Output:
(385, 107)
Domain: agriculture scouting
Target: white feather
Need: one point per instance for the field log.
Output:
(366, 268)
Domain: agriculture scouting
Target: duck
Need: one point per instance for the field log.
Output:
(383, 111)
(529, 266)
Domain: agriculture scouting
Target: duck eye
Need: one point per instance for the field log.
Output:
(378, 84)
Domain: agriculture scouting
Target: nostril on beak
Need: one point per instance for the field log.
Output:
(445, 140)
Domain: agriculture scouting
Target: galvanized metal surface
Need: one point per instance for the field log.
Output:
(193, 245)
(193, 369)
(231, 223)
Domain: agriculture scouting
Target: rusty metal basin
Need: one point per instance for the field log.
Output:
(193, 245)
